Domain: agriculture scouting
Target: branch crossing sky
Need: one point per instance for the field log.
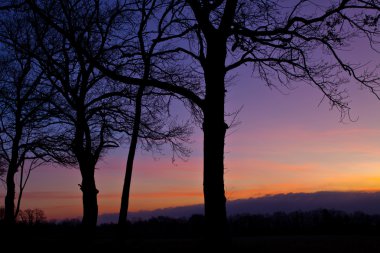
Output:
(287, 141)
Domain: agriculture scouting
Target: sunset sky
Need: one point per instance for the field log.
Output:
(286, 142)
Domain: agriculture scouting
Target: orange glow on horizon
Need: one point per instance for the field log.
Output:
(283, 145)
(109, 203)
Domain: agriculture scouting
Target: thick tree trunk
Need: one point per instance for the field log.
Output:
(87, 162)
(90, 202)
(9, 217)
(214, 129)
(131, 156)
(213, 184)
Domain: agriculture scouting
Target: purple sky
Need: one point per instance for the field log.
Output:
(285, 143)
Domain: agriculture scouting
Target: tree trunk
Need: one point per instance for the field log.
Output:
(21, 188)
(18, 205)
(9, 217)
(90, 202)
(131, 156)
(214, 129)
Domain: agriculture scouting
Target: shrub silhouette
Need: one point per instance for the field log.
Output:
(32, 216)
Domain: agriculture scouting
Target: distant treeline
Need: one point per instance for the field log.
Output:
(317, 222)
(320, 221)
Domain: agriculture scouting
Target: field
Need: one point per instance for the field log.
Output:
(111, 242)
(298, 232)
(266, 244)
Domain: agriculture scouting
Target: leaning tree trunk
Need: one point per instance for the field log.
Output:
(214, 129)
(90, 202)
(131, 156)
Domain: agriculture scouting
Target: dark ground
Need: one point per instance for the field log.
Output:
(320, 231)
(258, 244)
(60, 239)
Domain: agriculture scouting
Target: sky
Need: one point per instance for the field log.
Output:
(286, 142)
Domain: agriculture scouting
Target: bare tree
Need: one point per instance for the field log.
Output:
(143, 112)
(283, 43)
(87, 109)
(24, 124)
(32, 216)
(93, 110)
(26, 167)
(150, 125)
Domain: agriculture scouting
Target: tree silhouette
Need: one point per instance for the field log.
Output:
(106, 105)
(283, 42)
(151, 125)
(32, 216)
(25, 130)
(86, 105)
